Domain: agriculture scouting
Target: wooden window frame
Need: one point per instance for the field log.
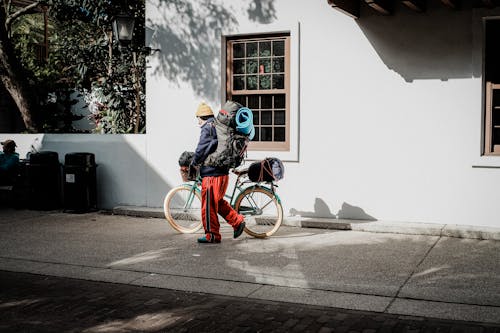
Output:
(262, 145)
(491, 107)
(491, 95)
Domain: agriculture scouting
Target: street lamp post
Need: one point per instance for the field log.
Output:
(123, 28)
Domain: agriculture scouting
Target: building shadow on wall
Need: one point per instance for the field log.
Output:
(189, 37)
(322, 210)
(353, 213)
(124, 175)
(437, 44)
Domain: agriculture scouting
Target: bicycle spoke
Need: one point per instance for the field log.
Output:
(182, 208)
(263, 214)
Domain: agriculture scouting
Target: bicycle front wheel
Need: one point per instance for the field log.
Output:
(182, 208)
(262, 210)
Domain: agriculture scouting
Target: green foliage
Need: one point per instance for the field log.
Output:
(83, 56)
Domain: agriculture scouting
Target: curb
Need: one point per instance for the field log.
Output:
(408, 228)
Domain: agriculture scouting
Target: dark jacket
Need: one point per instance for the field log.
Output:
(207, 145)
(9, 165)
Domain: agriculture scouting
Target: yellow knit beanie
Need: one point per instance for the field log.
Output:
(204, 110)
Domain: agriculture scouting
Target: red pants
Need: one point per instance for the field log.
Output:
(213, 203)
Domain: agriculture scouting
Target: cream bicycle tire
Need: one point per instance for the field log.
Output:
(266, 224)
(183, 219)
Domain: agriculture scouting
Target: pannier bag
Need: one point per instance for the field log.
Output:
(268, 170)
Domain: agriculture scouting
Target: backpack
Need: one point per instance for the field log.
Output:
(267, 170)
(232, 143)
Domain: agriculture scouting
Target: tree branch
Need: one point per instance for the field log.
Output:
(6, 7)
(20, 12)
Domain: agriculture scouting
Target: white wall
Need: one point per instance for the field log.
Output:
(386, 112)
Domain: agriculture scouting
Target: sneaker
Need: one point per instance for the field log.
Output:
(239, 230)
(204, 240)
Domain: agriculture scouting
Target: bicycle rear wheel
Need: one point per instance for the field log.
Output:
(182, 208)
(262, 210)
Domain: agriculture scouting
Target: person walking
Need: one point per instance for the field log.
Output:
(214, 182)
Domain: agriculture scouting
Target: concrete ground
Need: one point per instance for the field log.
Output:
(425, 276)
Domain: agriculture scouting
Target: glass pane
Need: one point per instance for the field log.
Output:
(496, 136)
(265, 49)
(238, 82)
(240, 99)
(251, 49)
(252, 66)
(279, 48)
(279, 134)
(239, 67)
(278, 81)
(266, 134)
(256, 119)
(253, 102)
(264, 65)
(265, 82)
(252, 82)
(239, 50)
(278, 65)
(266, 117)
(279, 117)
(279, 101)
(266, 102)
(257, 134)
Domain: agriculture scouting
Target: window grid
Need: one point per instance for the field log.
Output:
(257, 77)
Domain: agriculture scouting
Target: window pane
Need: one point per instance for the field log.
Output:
(239, 67)
(256, 120)
(238, 82)
(265, 82)
(267, 117)
(264, 65)
(253, 102)
(239, 50)
(265, 49)
(240, 99)
(252, 66)
(279, 101)
(495, 136)
(266, 102)
(495, 117)
(257, 134)
(266, 134)
(278, 81)
(252, 82)
(278, 65)
(279, 48)
(279, 117)
(251, 49)
(279, 134)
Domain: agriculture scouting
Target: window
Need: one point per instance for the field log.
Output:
(258, 77)
(492, 88)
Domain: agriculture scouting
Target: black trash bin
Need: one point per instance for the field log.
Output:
(80, 184)
(44, 179)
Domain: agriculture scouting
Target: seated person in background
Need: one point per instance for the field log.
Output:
(9, 162)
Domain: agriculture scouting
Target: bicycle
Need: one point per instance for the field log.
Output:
(258, 202)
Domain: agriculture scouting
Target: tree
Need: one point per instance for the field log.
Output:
(11, 71)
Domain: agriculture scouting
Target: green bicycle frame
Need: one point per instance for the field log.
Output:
(238, 188)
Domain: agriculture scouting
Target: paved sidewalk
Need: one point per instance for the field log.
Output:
(415, 275)
(428, 229)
